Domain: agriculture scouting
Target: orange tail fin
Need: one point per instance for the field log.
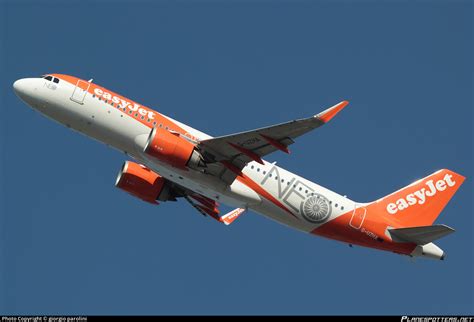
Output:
(420, 203)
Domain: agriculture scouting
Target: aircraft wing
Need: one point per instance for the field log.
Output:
(209, 207)
(229, 154)
(204, 205)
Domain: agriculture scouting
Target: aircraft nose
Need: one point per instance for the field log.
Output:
(27, 90)
(19, 87)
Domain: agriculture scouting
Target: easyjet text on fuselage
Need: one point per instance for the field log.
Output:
(124, 104)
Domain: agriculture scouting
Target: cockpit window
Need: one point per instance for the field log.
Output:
(51, 78)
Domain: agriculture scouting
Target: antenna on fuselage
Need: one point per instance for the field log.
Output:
(90, 80)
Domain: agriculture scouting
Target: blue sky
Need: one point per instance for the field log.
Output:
(70, 243)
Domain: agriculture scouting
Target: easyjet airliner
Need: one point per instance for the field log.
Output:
(174, 161)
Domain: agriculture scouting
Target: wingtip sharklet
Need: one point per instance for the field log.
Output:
(229, 218)
(328, 114)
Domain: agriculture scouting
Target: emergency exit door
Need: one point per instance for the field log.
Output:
(358, 217)
(80, 91)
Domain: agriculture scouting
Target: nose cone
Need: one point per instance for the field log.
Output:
(23, 89)
(20, 87)
(27, 90)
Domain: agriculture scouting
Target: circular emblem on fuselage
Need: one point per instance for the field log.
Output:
(316, 208)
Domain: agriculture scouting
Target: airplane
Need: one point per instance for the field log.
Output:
(176, 161)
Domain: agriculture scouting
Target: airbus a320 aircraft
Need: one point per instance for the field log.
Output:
(177, 161)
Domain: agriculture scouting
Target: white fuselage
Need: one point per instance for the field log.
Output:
(391, 223)
(115, 127)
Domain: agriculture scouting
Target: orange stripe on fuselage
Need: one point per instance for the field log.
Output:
(126, 106)
(259, 189)
(370, 234)
(160, 119)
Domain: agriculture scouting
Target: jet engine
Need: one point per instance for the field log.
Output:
(143, 183)
(171, 148)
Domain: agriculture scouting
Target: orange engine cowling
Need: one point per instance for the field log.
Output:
(142, 182)
(172, 149)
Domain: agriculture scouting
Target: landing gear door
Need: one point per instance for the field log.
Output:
(358, 217)
(80, 91)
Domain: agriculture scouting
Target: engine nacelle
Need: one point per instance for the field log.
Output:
(143, 183)
(172, 149)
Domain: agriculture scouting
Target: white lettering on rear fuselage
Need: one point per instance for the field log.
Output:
(124, 104)
(420, 196)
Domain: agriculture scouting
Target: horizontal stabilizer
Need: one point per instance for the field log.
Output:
(420, 235)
